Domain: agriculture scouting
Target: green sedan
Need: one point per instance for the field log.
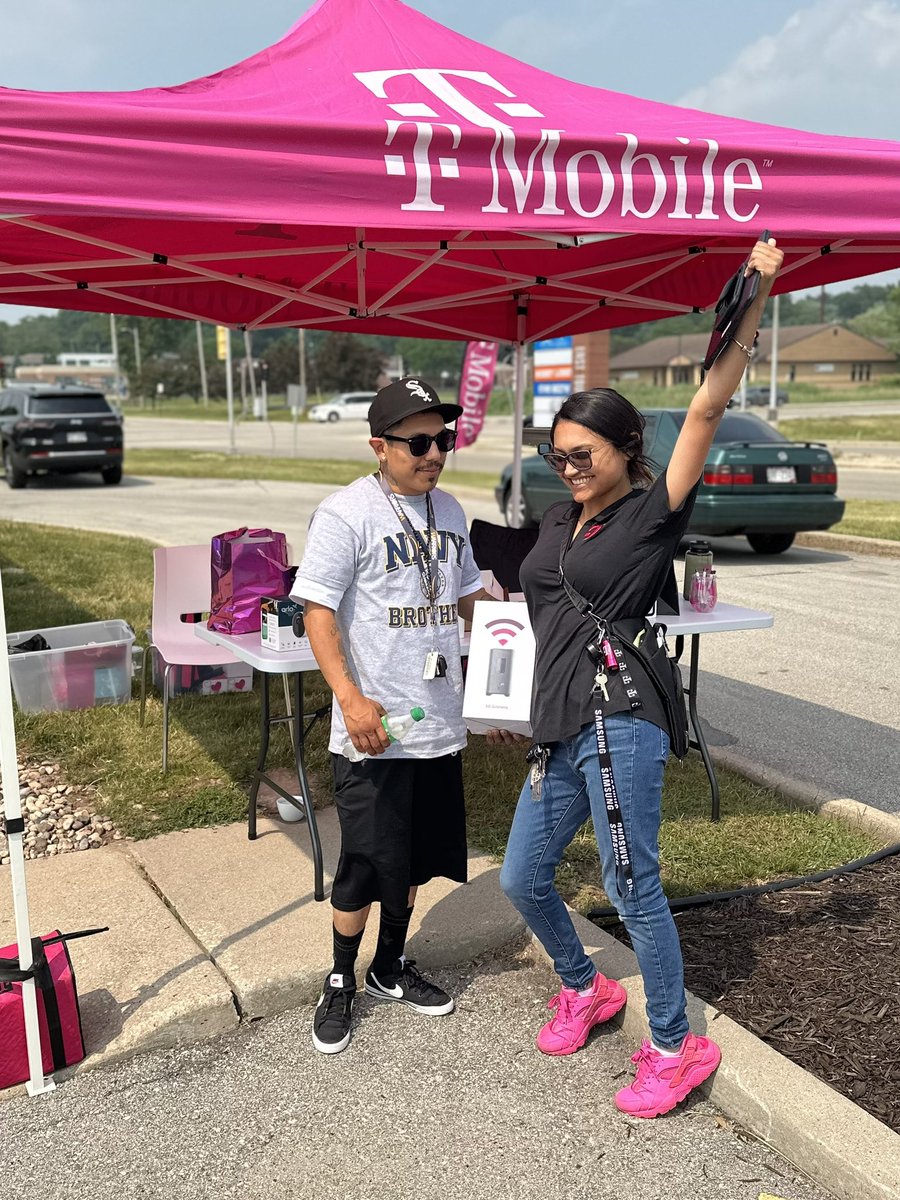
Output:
(756, 481)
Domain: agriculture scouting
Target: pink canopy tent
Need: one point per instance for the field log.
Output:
(376, 172)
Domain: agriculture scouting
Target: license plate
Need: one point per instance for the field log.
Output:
(78, 436)
(781, 474)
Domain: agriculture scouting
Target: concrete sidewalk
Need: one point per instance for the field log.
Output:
(207, 930)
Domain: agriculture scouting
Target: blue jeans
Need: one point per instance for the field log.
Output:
(542, 830)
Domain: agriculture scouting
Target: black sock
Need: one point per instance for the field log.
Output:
(391, 939)
(346, 948)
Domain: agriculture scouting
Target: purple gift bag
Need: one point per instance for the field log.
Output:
(246, 565)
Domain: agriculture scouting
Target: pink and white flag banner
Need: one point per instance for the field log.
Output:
(475, 386)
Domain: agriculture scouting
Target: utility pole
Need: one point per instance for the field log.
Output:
(203, 388)
(248, 358)
(137, 363)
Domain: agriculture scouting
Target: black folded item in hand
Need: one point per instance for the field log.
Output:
(737, 295)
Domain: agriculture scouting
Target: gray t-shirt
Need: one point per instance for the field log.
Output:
(360, 562)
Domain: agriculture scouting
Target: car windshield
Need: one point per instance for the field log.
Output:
(739, 427)
(64, 406)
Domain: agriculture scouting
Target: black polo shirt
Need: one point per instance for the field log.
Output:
(619, 561)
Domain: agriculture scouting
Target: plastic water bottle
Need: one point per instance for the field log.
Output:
(396, 726)
(698, 558)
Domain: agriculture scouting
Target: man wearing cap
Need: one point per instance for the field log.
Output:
(386, 573)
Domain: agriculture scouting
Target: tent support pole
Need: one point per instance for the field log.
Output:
(12, 804)
(229, 391)
(773, 374)
(519, 412)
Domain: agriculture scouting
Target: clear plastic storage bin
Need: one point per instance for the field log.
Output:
(85, 665)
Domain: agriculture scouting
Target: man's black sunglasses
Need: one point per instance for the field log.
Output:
(420, 443)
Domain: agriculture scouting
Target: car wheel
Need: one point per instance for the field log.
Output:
(771, 543)
(524, 514)
(15, 476)
(333, 416)
(112, 475)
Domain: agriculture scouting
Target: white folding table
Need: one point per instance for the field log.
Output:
(724, 618)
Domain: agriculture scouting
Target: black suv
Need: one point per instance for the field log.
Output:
(57, 431)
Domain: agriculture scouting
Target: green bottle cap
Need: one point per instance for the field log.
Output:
(417, 713)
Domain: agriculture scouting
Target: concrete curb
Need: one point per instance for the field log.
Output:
(829, 1137)
(883, 547)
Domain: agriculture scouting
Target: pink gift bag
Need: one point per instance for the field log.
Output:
(247, 564)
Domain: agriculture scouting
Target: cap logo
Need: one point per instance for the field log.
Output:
(416, 388)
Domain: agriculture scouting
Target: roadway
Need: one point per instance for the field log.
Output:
(870, 474)
(816, 697)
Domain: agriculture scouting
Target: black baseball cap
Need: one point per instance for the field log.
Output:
(404, 398)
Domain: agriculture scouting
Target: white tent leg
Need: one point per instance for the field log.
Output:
(9, 775)
(229, 391)
(519, 412)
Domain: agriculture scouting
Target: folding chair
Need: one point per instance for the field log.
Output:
(181, 586)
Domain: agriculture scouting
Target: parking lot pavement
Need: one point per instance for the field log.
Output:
(462, 1108)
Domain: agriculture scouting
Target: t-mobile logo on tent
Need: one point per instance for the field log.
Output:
(531, 171)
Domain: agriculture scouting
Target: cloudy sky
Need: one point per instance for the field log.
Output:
(831, 66)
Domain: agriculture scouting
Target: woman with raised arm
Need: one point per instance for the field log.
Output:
(602, 709)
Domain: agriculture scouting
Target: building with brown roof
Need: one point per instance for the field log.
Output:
(828, 354)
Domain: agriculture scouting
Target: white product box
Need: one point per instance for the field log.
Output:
(277, 615)
(501, 668)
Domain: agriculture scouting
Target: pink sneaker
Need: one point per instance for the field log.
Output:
(577, 1015)
(662, 1082)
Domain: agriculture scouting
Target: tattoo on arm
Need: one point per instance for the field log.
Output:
(345, 666)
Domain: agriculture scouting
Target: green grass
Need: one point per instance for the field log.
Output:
(198, 464)
(871, 518)
(760, 835)
(844, 429)
(53, 576)
(811, 393)
(184, 408)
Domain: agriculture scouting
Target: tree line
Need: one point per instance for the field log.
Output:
(337, 362)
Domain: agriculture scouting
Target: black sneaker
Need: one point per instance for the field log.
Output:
(405, 985)
(331, 1020)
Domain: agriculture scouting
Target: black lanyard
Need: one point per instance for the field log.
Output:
(621, 855)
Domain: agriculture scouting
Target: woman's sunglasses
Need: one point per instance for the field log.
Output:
(581, 460)
(420, 443)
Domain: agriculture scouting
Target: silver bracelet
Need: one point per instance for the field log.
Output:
(748, 350)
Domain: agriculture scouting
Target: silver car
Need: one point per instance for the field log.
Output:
(348, 406)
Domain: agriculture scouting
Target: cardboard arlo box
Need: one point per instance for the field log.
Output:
(281, 623)
(500, 673)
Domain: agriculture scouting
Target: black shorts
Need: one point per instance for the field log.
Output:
(402, 823)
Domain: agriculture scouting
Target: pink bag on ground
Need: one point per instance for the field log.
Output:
(62, 1042)
(247, 564)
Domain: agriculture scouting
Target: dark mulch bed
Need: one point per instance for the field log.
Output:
(815, 972)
